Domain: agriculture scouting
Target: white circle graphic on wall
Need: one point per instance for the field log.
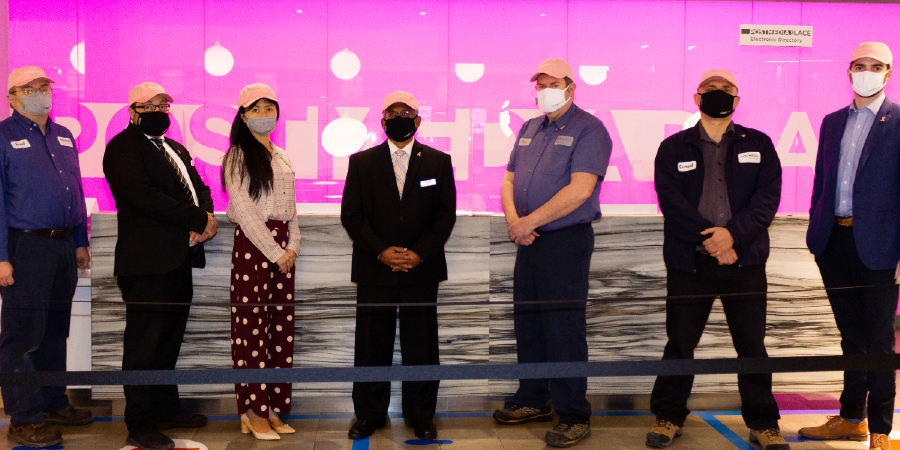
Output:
(180, 444)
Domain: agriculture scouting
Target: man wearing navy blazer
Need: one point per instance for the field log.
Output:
(399, 207)
(854, 233)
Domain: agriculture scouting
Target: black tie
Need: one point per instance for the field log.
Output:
(159, 144)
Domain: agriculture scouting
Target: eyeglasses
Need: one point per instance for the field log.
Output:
(31, 91)
(406, 114)
(150, 107)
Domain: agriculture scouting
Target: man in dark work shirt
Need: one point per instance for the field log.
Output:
(719, 185)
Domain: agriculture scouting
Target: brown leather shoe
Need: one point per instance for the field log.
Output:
(69, 415)
(39, 435)
(837, 429)
(880, 442)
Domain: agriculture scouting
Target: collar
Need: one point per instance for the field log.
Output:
(28, 123)
(408, 149)
(705, 136)
(874, 106)
(563, 120)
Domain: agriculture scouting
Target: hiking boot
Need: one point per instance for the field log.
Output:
(565, 435)
(662, 433)
(515, 414)
(769, 439)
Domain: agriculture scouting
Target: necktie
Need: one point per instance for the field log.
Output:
(399, 170)
(159, 144)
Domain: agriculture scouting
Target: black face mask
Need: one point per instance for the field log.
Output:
(717, 104)
(400, 129)
(153, 123)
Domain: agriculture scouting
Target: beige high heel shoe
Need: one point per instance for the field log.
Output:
(279, 426)
(246, 428)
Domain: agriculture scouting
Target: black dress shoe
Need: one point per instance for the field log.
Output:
(425, 429)
(365, 428)
(182, 419)
(149, 440)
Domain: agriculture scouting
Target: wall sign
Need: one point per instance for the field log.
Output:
(776, 35)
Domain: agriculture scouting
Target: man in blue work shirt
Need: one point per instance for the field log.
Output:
(854, 232)
(43, 237)
(550, 199)
(719, 186)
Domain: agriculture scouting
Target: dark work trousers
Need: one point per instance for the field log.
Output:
(554, 267)
(375, 333)
(34, 322)
(686, 318)
(153, 335)
(865, 318)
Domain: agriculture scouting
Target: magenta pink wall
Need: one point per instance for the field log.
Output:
(655, 51)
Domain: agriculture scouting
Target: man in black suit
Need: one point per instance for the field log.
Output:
(165, 213)
(399, 220)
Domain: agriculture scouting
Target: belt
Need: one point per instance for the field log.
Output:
(844, 221)
(59, 233)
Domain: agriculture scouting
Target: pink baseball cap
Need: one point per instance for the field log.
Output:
(146, 91)
(720, 75)
(254, 92)
(25, 75)
(400, 97)
(555, 67)
(875, 50)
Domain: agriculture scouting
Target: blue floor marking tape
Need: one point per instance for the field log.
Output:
(427, 442)
(361, 444)
(725, 431)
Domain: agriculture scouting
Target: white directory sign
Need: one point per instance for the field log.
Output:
(776, 35)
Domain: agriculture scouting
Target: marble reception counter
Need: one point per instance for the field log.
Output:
(627, 266)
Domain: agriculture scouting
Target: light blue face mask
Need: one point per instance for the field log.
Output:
(37, 104)
(261, 125)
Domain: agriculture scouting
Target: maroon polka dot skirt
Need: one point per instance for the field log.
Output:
(262, 332)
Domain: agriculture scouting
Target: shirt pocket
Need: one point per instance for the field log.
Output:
(555, 161)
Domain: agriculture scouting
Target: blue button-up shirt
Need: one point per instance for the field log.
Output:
(859, 122)
(547, 154)
(40, 180)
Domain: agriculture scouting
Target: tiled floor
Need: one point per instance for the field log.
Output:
(472, 431)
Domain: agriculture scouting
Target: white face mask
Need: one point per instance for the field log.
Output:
(867, 84)
(550, 100)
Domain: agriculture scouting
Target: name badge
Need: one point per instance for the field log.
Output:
(20, 144)
(524, 141)
(749, 157)
(426, 183)
(565, 140)
(687, 166)
(65, 141)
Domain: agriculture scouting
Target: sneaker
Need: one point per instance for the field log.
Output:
(38, 435)
(567, 434)
(880, 442)
(769, 439)
(836, 429)
(662, 433)
(69, 415)
(516, 414)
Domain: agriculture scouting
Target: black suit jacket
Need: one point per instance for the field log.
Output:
(155, 213)
(376, 218)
